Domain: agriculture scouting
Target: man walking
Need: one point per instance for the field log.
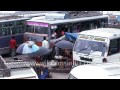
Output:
(12, 45)
(46, 45)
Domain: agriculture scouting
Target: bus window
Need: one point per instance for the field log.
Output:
(41, 30)
(98, 23)
(118, 42)
(13, 30)
(10, 23)
(0, 24)
(22, 22)
(6, 24)
(30, 29)
(9, 31)
(3, 24)
(45, 30)
(4, 31)
(21, 29)
(0, 32)
(16, 29)
(38, 29)
(18, 23)
(113, 48)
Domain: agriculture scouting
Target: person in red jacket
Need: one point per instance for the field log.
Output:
(12, 45)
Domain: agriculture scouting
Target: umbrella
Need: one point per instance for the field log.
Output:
(64, 44)
(27, 47)
(41, 52)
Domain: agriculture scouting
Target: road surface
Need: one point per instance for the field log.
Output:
(54, 75)
(59, 75)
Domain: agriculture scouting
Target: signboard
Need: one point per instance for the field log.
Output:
(88, 37)
(99, 39)
(37, 24)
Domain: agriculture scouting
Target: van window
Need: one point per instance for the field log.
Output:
(114, 46)
(118, 44)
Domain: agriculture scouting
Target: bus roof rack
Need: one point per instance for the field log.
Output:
(4, 70)
(7, 65)
(10, 17)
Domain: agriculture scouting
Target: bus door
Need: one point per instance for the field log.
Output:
(114, 50)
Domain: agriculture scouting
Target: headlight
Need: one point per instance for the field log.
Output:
(71, 77)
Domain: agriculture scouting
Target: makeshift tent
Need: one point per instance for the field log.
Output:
(118, 18)
(71, 36)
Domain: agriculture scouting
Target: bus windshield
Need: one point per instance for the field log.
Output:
(86, 46)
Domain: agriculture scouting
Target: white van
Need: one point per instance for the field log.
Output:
(97, 46)
(96, 71)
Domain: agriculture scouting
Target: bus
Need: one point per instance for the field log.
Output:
(47, 25)
(11, 26)
(97, 46)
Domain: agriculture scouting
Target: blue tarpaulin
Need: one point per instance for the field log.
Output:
(118, 18)
(71, 36)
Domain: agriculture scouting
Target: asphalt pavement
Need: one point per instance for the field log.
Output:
(55, 75)
(59, 75)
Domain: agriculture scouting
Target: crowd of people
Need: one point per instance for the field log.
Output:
(66, 54)
(58, 34)
(56, 52)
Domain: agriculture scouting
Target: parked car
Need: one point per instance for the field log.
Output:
(96, 71)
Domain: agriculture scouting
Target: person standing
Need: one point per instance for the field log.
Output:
(38, 59)
(45, 43)
(12, 45)
(56, 51)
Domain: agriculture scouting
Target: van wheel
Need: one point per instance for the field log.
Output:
(104, 60)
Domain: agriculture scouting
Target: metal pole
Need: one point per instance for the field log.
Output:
(49, 33)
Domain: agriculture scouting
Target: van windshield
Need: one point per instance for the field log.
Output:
(86, 46)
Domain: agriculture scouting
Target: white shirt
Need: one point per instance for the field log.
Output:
(45, 44)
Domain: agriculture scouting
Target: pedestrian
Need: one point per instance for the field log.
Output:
(45, 43)
(12, 46)
(54, 35)
(56, 51)
(38, 59)
(52, 53)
